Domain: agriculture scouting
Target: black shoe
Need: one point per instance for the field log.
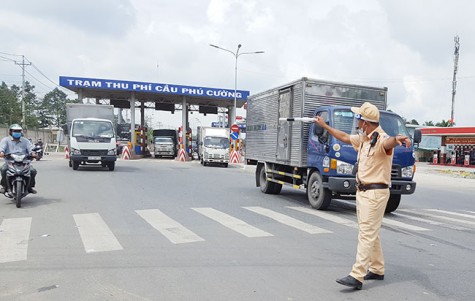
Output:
(351, 282)
(32, 190)
(373, 276)
(2, 190)
(8, 194)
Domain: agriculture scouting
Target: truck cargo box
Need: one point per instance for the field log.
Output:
(269, 140)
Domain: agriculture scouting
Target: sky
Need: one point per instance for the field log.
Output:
(404, 45)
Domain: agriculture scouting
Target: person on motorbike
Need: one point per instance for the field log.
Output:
(39, 142)
(15, 143)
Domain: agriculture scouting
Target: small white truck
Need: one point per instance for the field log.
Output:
(91, 135)
(213, 145)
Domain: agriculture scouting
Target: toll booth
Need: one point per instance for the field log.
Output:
(141, 141)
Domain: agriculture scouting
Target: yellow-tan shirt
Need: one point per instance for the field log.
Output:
(374, 163)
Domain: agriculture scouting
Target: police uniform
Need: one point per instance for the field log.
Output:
(373, 181)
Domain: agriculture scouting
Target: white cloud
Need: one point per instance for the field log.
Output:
(404, 45)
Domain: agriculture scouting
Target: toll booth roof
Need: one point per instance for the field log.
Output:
(121, 91)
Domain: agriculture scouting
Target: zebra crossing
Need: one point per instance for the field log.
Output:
(97, 236)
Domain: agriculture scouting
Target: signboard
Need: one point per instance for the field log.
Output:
(460, 140)
(234, 135)
(122, 85)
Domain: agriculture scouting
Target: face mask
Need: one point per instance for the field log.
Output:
(16, 135)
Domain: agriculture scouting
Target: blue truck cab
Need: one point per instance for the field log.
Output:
(335, 160)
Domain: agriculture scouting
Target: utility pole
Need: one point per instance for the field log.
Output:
(23, 64)
(454, 80)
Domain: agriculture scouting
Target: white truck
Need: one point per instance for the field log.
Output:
(91, 136)
(213, 145)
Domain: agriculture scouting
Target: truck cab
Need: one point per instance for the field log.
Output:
(92, 140)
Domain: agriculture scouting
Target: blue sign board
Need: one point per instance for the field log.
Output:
(234, 135)
(122, 85)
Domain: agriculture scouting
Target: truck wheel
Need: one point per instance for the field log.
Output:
(318, 196)
(267, 186)
(225, 165)
(75, 165)
(393, 203)
(111, 165)
(70, 163)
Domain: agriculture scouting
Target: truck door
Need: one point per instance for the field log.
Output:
(284, 128)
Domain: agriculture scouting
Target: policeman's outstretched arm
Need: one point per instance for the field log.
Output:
(392, 142)
(340, 135)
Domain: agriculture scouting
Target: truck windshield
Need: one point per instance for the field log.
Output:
(163, 140)
(92, 128)
(216, 142)
(391, 124)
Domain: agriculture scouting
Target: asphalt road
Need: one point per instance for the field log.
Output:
(156, 229)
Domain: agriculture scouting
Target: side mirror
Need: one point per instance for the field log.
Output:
(417, 136)
(317, 130)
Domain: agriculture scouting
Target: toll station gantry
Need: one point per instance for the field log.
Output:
(165, 97)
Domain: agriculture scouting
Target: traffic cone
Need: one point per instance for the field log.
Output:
(66, 150)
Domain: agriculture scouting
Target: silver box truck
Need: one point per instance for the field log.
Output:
(304, 156)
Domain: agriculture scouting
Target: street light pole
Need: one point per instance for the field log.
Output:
(236, 56)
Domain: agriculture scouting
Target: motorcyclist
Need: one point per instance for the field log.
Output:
(39, 142)
(15, 143)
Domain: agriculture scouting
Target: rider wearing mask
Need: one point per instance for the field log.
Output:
(15, 143)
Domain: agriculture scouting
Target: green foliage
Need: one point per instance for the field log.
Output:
(53, 108)
(49, 111)
(443, 123)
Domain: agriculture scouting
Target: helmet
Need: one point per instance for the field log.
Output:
(15, 127)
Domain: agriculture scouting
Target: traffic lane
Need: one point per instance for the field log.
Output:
(234, 263)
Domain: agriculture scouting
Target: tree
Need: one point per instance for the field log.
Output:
(53, 108)
(413, 121)
(10, 111)
(444, 123)
(428, 123)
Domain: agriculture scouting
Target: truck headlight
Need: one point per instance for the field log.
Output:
(344, 168)
(407, 172)
(112, 152)
(75, 151)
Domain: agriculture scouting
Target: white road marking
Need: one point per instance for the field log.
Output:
(171, 229)
(428, 221)
(287, 220)
(327, 216)
(452, 213)
(456, 220)
(232, 223)
(387, 221)
(419, 219)
(95, 234)
(14, 236)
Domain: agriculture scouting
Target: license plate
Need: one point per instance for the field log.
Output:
(94, 158)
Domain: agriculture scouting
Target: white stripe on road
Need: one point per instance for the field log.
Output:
(287, 220)
(95, 234)
(14, 236)
(428, 221)
(452, 213)
(174, 231)
(327, 216)
(423, 220)
(387, 221)
(232, 223)
(456, 220)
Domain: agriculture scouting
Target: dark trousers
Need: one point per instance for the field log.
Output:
(4, 169)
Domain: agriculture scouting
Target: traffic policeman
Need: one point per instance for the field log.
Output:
(373, 177)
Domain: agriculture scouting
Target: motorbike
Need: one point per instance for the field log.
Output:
(38, 149)
(18, 176)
